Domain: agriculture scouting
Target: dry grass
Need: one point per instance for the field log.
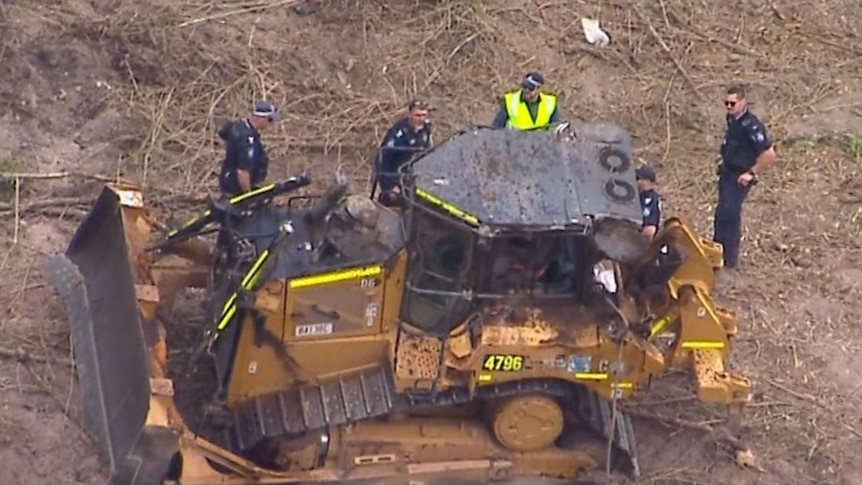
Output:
(189, 64)
(342, 70)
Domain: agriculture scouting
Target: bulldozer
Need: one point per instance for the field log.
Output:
(489, 330)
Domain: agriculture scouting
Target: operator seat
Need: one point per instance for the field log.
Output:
(447, 257)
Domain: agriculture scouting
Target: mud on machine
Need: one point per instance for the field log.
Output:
(487, 331)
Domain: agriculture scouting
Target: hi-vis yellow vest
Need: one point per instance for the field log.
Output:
(519, 113)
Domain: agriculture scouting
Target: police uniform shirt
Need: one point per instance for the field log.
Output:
(651, 207)
(745, 139)
(401, 136)
(245, 151)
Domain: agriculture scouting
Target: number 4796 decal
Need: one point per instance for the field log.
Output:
(503, 363)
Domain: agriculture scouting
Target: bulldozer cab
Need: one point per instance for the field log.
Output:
(496, 215)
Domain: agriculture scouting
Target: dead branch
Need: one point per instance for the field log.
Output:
(60, 175)
(682, 70)
(719, 433)
(53, 202)
(21, 355)
(61, 403)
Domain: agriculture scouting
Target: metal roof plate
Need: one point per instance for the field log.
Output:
(534, 178)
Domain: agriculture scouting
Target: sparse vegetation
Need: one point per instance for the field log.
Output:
(10, 164)
(854, 147)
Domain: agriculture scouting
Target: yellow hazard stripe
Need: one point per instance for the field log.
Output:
(251, 193)
(591, 376)
(233, 200)
(703, 345)
(450, 208)
(248, 281)
(194, 220)
(659, 326)
(336, 276)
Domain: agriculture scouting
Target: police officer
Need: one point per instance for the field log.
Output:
(528, 108)
(245, 163)
(409, 135)
(745, 153)
(650, 200)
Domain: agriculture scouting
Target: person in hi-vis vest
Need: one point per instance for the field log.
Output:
(528, 108)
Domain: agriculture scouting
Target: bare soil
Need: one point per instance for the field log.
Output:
(135, 90)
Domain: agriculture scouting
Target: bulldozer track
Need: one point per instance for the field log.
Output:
(372, 394)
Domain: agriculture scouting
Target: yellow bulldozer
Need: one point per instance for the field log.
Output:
(488, 330)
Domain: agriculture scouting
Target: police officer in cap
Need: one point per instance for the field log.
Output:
(528, 108)
(245, 163)
(409, 135)
(746, 151)
(650, 200)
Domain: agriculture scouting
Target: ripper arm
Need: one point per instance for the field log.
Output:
(219, 211)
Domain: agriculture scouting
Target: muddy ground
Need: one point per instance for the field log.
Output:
(120, 88)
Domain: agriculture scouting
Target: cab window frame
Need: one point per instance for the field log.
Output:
(495, 252)
(433, 309)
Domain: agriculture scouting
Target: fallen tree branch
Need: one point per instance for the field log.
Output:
(178, 194)
(669, 53)
(60, 175)
(52, 202)
(61, 403)
(74, 205)
(23, 356)
(744, 456)
(681, 423)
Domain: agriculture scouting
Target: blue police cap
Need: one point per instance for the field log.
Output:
(645, 172)
(266, 109)
(533, 80)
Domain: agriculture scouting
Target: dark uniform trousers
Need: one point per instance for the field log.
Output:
(728, 214)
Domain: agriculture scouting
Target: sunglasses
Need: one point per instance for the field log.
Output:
(730, 104)
(529, 87)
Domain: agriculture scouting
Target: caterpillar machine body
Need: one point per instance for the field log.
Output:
(487, 332)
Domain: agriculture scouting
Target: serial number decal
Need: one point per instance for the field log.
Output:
(504, 363)
(314, 329)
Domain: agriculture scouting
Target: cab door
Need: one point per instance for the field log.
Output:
(341, 303)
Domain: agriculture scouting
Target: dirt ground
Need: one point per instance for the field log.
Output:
(131, 89)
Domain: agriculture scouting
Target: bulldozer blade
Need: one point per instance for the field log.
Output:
(96, 282)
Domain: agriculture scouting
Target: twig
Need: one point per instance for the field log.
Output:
(22, 355)
(256, 7)
(852, 430)
(59, 401)
(668, 133)
(17, 211)
(39, 204)
(804, 397)
(59, 175)
(720, 433)
(669, 52)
